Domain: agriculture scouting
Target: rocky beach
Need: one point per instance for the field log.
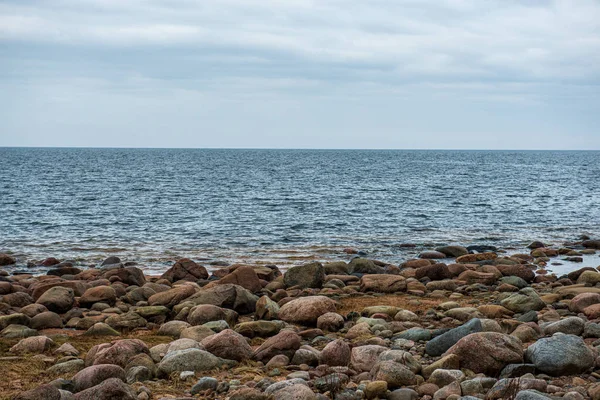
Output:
(452, 323)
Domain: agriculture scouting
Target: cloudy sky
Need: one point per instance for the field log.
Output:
(463, 74)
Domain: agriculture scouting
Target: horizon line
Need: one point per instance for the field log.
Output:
(286, 148)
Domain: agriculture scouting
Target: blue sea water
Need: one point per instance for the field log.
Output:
(286, 206)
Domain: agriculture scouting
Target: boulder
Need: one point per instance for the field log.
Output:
(560, 355)
(306, 310)
(253, 329)
(570, 325)
(525, 300)
(331, 322)
(383, 283)
(227, 295)
(435, 272)
(95, 375)
(228, 344)
(189, 360)
(336, 353)
(364, 266)
(172, 297)
(98, 294)
(453, 251)
(487, 352)
(440, 344)
(395, 374)
(204, 313)
(127, 275)
(243, 276)
(32, 345)
(583, 300)
(185, 270)
(43, 392)
(58, 299)
(110, 389)
(305, 276)
(364, 358)
(266, 309)
(5, 260)
(118, 352)
(285, 342)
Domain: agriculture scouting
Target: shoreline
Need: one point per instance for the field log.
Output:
(448, 324)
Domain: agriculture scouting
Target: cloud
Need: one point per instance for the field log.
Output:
(524, 53)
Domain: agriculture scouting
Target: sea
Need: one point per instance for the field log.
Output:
(288, 207)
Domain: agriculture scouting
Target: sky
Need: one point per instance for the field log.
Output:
(406, 74)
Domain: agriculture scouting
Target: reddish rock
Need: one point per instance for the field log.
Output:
(285, 342)
(127, 275)
(44, 392)
(432, 255)
(591, 244)
(243, 276)
(470, 258)
(50, 261)
(382, 283)
(207, 312)
(487, 352)
(58, 299)
(336, 353)
(172, 297)
(583, 301)
(40, 288)
(104, 294)
(228, 344)
(32, 345)
(517, 270)
(306, 310)
(477, 277)
(593, 311)
(435, 272)
(185, 270)
(5, 259)
(95, 375)
(118, 352)
(110, 389)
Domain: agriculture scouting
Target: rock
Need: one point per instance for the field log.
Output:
(440, 344)
(110, 389)
(561, 355)
(306, 310)
(305, 276)
(266, 309)
(570, 325)
(395, 374)
(14, 319)
(403, 394)
(15, 331)
(172, 297)
(591, 244)
(101, 329)
(331, 322)
(228, 344)
(364, 358)
(432, 255)
(451, 361)
(531, 395)
(46, 320)
(305, 355)
(243, 276)
(104, 294)
(32, 345)
(188, 360)
(382, 283)
(285, 342)
(118, 352)
(185, 270)
(43, 392)
(583, 300)
(453, 251)
(66, 349)
(487, 352)
(95, 375)
(227, 295)
(435, 272)
(5, 260)
(205, 383)
(525, 300)
(376, 389)
(207, 312)
(127, 321)
(336, 353)
(253, 329)
(589, 278)
(517, 270)
(127, 275)
(364, 266)
(183, 344)
(474, 277)
(58, 299)
(294, 392)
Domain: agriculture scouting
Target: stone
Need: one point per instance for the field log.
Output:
(383, 283)
(395, 374)
(570, 325)
(32, 345)
(440, 344)
(583, 300)
(110, 389)
(443, 377)
(188, 360)
(472, 258)
(172, 297)
(118, 352)
(101, 329)
(364, 358)
(43, 392)
(185, 270)
(243, 276)
(451, 361)
(331, 322)
(67, 367)
(432, 255)
(67, 349)
(204, 313)
(285, 342)
(435, 272)
(487, 352)
(14, 319)
(104, 294)
(253, 329)
(336, 353)
(310, 275)
(15, 331)
(46, 320)
(205, 383)
(453, 251)
(226, 295)
(561, 354)
(525, 300)
(403, 394)
(127, 321)
(266, 309)
(401, 357)
(127, 275)
(376, 389)
(589, 278)
(364, 266)
(58, 299)
(228, 344)
(306, 310)
(294, 392)
(95, 375)
(172, 328)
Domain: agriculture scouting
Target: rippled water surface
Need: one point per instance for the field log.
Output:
(154, 205)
